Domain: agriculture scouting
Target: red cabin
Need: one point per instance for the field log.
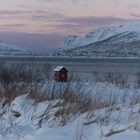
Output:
(60, 74)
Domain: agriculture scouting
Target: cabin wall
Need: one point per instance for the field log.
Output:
(63, 76)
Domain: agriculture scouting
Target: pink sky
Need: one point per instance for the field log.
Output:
(63, 17)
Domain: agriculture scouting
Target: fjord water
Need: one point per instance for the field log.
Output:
(86, 68)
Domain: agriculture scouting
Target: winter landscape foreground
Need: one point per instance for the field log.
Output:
(35, 107)
(89, 106)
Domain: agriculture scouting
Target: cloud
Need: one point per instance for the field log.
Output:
(137, 16)
(135, 6)
(33, 14)
(92, 20)
(13, 25)
(47, 15)
(13, 14)
(57, 21)
(62, 20)
(75, 1)
(51, 0)
(82, 24)
(67, 2)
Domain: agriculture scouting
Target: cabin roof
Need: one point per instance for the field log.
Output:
(58, 68)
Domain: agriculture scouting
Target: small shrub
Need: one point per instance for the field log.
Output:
(116, 78)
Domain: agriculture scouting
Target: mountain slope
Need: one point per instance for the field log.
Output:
(100, 34)
(8, 49)
(120, 41)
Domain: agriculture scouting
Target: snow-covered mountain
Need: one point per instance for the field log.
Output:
(100, 34)
(8, 49)
(121, 40)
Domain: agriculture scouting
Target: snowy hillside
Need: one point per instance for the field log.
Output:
(29, 119)
(100, 34)
(34, 107)
(115, 41)
(8, 49)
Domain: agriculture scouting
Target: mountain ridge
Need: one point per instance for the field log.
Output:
(116, 41)
(100, 34)
(9, 49)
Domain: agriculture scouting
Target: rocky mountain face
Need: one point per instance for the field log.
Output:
(116, 41)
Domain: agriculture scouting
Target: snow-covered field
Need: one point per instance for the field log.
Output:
(34, 107)
(88, 111)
